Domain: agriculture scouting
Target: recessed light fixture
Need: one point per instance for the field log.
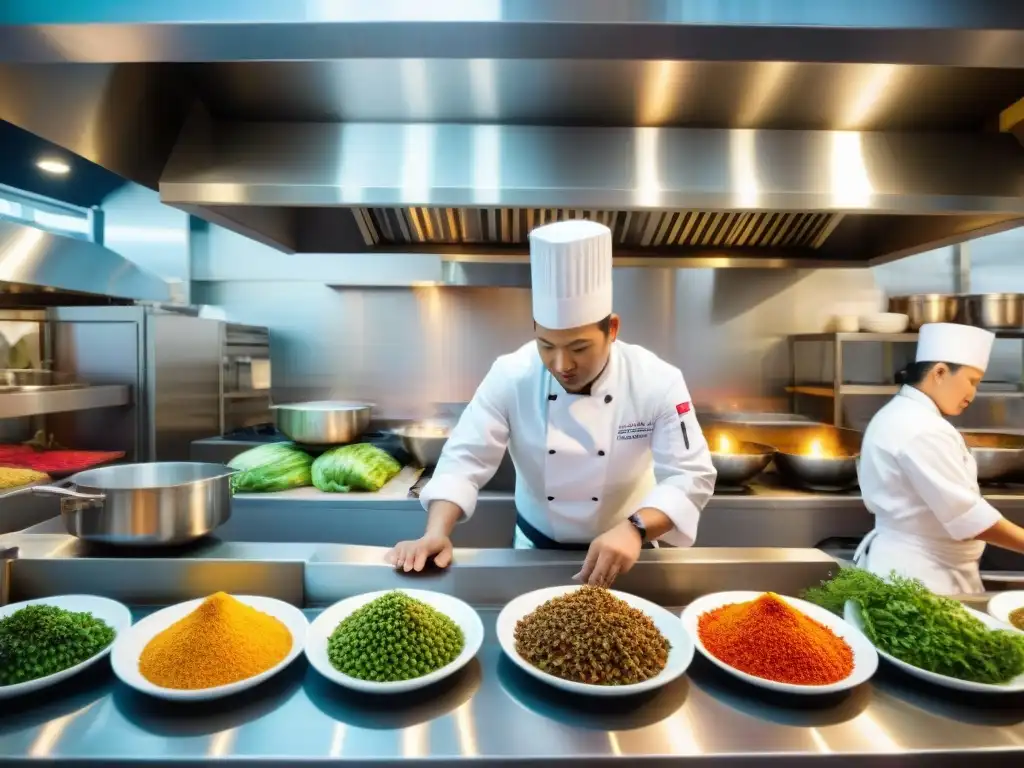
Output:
(56, 167)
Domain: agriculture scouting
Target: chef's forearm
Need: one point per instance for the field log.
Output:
(442, 517)
(1004, 534)
(656, 522)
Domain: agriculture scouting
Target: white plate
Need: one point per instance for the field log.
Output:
(865, 657)
(679, 656)
(129, 646)
(116, 616)
(852, 612)
(1002, 605)
(325, 624)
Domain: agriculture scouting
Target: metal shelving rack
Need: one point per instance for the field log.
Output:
(838, 388)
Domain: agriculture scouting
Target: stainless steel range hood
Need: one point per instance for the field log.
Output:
(39, 268)
(775, 133)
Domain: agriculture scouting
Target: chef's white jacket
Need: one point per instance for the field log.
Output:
(921, 483)
(583, 462)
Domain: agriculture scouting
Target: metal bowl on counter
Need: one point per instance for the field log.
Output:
(737, 461)
(826, 460)
(143, 505)
(327, 422)
(1000, 457)
(424, 440)
(994, 311)
(925, 308)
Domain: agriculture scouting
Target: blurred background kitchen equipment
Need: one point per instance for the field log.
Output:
(37, 378)
(425, 440)
(1000, 457)
(327, 422)
(884, 322)
(994, 311)
(162, 503)
(924, 308)
(846, 323)
(737, 461)
(820, 460)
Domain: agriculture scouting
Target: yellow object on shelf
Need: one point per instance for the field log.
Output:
(15, 477)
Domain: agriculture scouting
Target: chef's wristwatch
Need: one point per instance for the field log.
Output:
(638, 523)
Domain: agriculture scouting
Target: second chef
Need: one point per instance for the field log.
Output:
(608, 452)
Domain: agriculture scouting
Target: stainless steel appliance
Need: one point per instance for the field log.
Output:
(428, 134)
(143, 504)
(173, 361)
(323, 423)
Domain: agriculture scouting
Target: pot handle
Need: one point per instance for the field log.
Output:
(53, 490)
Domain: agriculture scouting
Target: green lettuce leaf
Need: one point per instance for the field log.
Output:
(271, 467)
(361, 467)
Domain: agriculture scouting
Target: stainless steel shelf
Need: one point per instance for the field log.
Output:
(881, 390)
(261, 394)
(38, 402)
(883, 337)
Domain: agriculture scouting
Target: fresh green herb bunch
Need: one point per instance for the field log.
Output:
(933, 633)
(41, 640)
(394, 638)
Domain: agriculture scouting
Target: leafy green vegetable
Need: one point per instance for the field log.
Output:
(360, 466)
(937, 634)
(394, 637)
(271, 467)
(41, 640)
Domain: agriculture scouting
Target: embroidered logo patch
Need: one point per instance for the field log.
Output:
(683, 408)
(635, 430)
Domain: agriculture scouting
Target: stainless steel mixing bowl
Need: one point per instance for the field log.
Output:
(424, 441)
(328, 422)
(1000, 457)
(741, 464)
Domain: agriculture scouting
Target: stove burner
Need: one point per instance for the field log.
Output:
(260, 433)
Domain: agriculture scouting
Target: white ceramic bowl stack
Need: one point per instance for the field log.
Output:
(884, 322)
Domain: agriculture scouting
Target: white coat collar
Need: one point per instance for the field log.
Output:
(602, 385)
(915, 394)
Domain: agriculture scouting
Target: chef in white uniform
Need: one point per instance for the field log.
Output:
(917, 476)
(608, 453)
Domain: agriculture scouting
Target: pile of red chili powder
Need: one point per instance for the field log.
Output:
(771, 639)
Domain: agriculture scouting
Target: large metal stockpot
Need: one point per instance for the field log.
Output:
(162, 503)
(994, 311)
(327, 422)
(925, 308)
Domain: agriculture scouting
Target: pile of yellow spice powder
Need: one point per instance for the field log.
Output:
(223, 641)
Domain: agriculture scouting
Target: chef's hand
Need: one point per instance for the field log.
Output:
(413, 555)
(610, 554)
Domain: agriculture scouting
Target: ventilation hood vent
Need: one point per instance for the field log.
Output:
(699, 196)
(40, 268)
(417, 227)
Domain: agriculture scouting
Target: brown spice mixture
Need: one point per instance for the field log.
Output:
(591, 636)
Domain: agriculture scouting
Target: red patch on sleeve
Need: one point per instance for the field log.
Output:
(683, 408)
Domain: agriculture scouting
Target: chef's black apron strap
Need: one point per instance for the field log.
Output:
(540, 541)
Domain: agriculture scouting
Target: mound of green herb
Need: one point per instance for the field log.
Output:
(937, 634)
(394, 638)
(41, 640)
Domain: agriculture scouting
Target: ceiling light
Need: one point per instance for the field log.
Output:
(56, 167)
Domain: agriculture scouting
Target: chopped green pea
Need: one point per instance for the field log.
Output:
(41, 640)
(394, 637)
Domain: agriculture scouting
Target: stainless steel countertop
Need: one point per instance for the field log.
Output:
(492, 711)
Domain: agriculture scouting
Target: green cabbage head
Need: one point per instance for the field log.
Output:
(358, 467)
(271, 467)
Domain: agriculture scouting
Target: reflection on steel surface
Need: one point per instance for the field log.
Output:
(32, 258)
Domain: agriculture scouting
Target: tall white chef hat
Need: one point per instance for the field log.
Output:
(954, 343)
(571, 272)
